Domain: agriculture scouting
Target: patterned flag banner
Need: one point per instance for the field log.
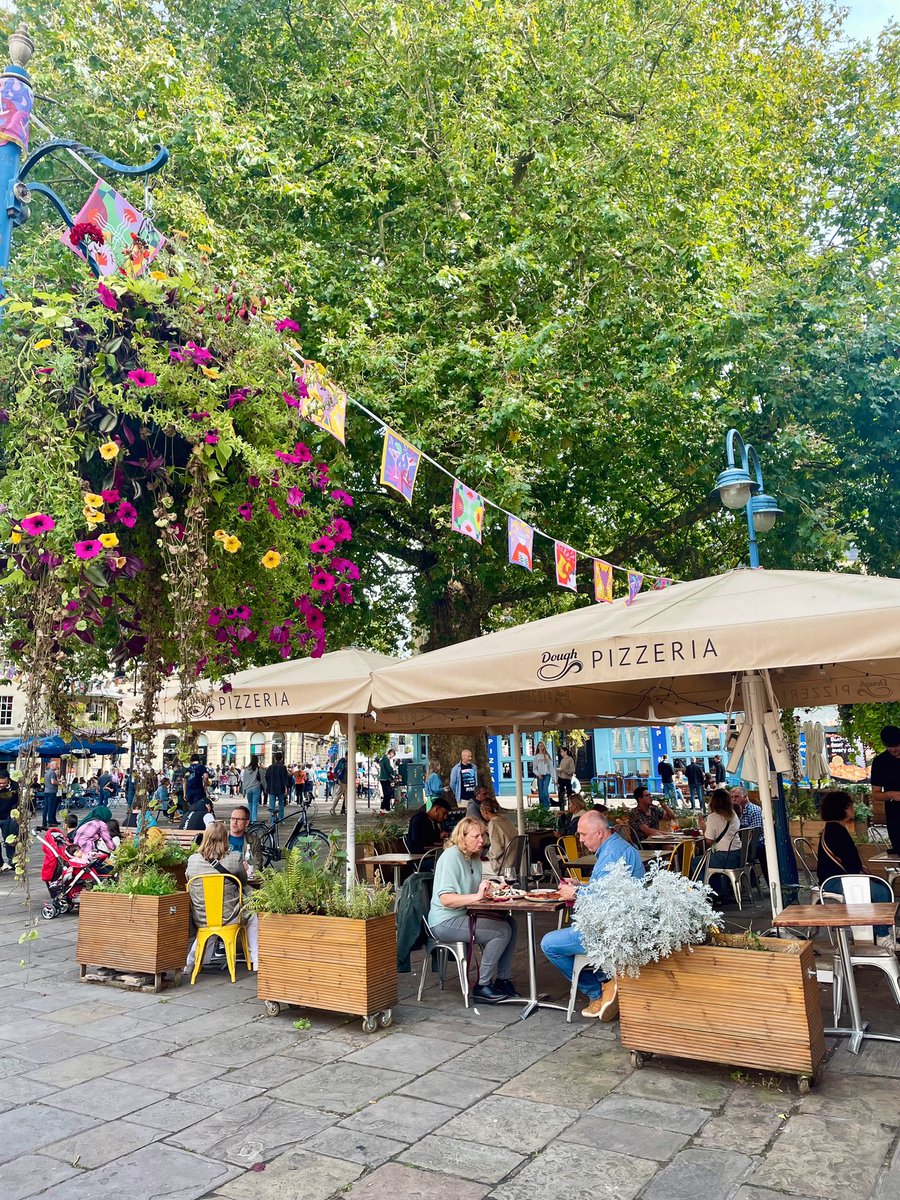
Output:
(603, 581)
(130, 241)
(635, 580)
(467, 514)
(15, 111)
(661, 583)
(566, 558)
(322, 401)
(520, 540)
(399, 464)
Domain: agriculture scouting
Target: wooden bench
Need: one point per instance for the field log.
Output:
(183, 837)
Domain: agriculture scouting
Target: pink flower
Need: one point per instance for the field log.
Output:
(274, 509)
(315, 620)
(286, 456)
(340, 530)
(108, 300)
(176, 355)
(237, 397)
(303, 452)
(126, 514)
(342, 497)
(321, 580)
(88, 549)
(287, 324)
(344, 593)
(198, 416)
(294, 497)
(212, 438)
(111, 496)
(37, 524)
(43, 370)
(253, 481)
(322, 545)
(214, 618)
(290, 401)
(245, 510)
(141, 378)
(198, 354)
(241, 613)
(302, 389)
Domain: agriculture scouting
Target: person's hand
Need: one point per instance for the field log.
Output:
(444, 835)
(567, 889)
(484, 889)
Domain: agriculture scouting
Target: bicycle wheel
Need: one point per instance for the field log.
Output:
(313, 842)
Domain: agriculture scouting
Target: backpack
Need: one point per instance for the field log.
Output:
(340, 771)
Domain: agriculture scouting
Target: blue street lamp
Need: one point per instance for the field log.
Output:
(16, 98)
(736, 488)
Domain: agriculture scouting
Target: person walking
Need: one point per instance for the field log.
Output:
(339, 790)
(434, 784)
(565, 773)
(50, 793)
(386, 780)
(666, 773)
(252, 785)
(278, 784)
(695, 775)
(542, 770)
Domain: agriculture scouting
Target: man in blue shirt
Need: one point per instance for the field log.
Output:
(562, 945)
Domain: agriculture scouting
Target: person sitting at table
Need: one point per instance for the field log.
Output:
(645, 817)
(473, 807)
(561, 945)
(425, 827)
(567, 822)
(721, 831)
(501, 831)
(751, 817)
(458, 883)
(838, 854)
(214, 856)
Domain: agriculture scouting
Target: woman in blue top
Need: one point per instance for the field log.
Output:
(434, 785)
(458, 882)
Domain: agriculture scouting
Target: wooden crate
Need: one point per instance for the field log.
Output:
(146, 934)
(742, 1008)
(335, 963)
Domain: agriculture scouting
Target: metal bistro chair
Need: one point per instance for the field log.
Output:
(736, 875)
(579, 965)
(458, 951)
(680, 858)
(555, 863)
(568, 849)
(808, 866)
(865, 950)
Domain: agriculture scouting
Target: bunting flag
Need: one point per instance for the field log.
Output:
(520, 542)
(661, 583)
(130, 241)
(635, 580)
(603, 581)
(467, 514)
(15, 111)
(399, 464)
(322, 401)
(566, 558)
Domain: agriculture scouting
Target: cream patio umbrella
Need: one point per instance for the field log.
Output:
(811, 638)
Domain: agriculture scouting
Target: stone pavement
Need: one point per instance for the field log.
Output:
(196, 1093)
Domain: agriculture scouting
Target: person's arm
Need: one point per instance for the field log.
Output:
(454, 780)
(464, 899)
(670, 816)
(878, 788)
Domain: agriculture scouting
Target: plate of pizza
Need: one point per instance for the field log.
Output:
(543, 896)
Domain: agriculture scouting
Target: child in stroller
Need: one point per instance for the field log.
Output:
(66, 873)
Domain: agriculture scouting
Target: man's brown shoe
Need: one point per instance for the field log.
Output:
(594, 1008)
(609, 1001)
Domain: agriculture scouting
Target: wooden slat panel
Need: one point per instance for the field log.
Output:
(133, 933)
(328, 962)
(739, 1007)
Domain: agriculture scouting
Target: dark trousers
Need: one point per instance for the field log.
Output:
(387, 795)
(564, 791)
(892, 820)
(50, 801)
(9, 827)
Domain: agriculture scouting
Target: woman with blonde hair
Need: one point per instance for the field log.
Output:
(214, 856)
(542, 769)
(459, 883)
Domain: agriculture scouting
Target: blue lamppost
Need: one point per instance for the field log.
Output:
(16, 99)
(736, 488)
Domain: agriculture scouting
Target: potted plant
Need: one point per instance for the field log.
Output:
(687, 991)
(804, 812)
(137, 922)
(322, 946)
(167, 856)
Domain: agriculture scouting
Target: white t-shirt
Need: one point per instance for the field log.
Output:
(716, 825)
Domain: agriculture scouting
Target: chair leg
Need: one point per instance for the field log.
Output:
(838, 989)
(231, 957)
(202, 938)
(424, 973)
(246, 944)
(463, 977)
(573, 992)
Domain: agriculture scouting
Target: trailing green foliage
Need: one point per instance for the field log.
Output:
(162, 855)
(864, 722)
(299, 887)
(152, 881)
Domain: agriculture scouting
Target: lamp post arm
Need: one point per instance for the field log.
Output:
(734, 440)
(750, 455)
(148, 168)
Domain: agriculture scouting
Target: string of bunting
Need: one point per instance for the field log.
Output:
(130, 244)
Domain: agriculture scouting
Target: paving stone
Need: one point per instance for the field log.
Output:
(219, 1093)
(855, 1097)
(749, 1192)
(519, 1125)
(34, 1125)
(318, 1050)
(55, 1048)
(394, 1180)
(746, 1123)
(576, 1075)
(30, 1174)
(16, 1089)
(341, 1088)
(255, 1131)
(888, 1186)
(498, 1058)
(405, 1050)
(208, 1025)
(111, 1097)
(298, 1175)
(31, 1029)
(679, 1087)
(269, 1072)
(171, 1115)
(468, 1160)
(354, 1145)
(842, 1158)
(81, 1014)
(166, 1074)
(566, 1171)
(400, 1117)
(137, 1049)
(13, 1066)
(148, 1174)
(634, 1110)
(448, 1087)
(236, 1047)
(72, 1071)
(622, 1138)
(96, 1147)
(700, 1175)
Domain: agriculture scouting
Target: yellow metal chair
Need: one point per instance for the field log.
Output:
(212, 888)
(680, 858)
(568, 849)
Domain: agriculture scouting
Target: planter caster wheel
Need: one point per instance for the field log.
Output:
(638, 1059)
(273, 1008)
(370, 1024)
(386, 1018)
(804, 1083)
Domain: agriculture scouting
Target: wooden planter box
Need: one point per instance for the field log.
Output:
(807, 828)
(742, 1008)
(336, 963)
(145, 934)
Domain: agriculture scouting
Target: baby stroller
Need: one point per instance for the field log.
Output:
(65, 875)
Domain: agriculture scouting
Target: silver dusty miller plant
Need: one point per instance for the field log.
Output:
(627, 922)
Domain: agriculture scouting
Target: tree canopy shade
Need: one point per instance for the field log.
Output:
(560, 246)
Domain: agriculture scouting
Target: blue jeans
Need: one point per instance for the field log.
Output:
(50, 801)
(252, 796)
(280, 801)
(543, 782)
(561, 946)
(696, 789)
(669, 792)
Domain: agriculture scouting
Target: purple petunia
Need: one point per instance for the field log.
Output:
(245, 510)
(274, 509)
(287, 325)
(198, 416)
(322, 545)
(322, 581)
(212, 437)
(107, 298)
(141, 378)
(126, 514)
(36, 524)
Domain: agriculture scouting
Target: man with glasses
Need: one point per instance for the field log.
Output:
(751, 816)
(242, 838)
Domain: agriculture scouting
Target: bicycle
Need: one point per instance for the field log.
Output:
(316, 841)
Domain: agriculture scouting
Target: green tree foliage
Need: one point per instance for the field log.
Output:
(560, 246)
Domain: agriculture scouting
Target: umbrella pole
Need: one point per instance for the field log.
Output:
(755, 708)
(517, 768)
(351, 802)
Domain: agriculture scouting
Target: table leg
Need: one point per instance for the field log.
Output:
(858, 1030)
(533, 999)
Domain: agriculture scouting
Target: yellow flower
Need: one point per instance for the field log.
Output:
(203, 246)
(231, 544)
(108, 541)
(15, 538)
(211, 372)
(109, 450)
(120, 562)
(220, 535)
(92, 500)
(95, 518)
(141, 114)
(43, 343)
(271, 559)
(158, 275)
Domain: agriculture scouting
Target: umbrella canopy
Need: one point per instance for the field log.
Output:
(54, 747)
(827, 639)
